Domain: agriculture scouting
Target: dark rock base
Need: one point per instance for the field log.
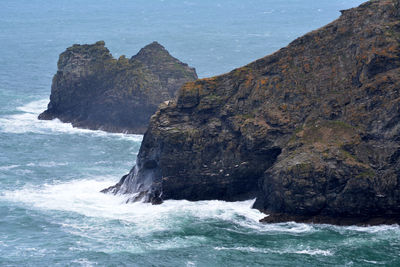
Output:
(341, 221)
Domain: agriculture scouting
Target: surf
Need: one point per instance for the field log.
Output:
(24, 120)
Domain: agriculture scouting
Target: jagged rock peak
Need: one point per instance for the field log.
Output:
(150, 49)
(155, 55)
(93, 90)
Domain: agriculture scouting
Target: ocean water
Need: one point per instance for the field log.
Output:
(51, 211)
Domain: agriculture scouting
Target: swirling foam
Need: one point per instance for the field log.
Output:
(311, 252)
(84, 197)
(26, 121)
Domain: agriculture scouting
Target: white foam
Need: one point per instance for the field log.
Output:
(34, 106)
(373, 262)
(47, 164)
(27, 122)
(246, 249)
(373, 229)
(311, 252)
(8, 167)
(378, 229)
(290, 227)
(84, 197)
(84, 262)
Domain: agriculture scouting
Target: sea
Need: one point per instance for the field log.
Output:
(51, 210)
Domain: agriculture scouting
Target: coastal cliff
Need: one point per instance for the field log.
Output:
(93, 90)
(312, 131)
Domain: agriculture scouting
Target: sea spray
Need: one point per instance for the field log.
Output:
(143, 182)
(83, 197)
(25, 120)
(40, 228)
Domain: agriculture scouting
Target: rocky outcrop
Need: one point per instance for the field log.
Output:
(312, 131)
(93, 90)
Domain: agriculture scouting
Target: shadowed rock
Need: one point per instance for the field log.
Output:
(93, 90)
(312, 130)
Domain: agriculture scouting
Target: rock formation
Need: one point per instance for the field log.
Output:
(312, 131)
(93, 90)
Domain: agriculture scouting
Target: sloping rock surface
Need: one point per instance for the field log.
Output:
(93, 90)
(312, 131)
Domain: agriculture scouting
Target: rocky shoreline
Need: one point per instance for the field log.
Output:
(93, 90)
(312, 130)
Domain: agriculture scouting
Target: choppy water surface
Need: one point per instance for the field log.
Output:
(51, 211)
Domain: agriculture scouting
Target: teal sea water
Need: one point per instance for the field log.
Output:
(51, 211)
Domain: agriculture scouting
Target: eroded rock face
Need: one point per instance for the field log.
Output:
(93, 90)
(312, 130)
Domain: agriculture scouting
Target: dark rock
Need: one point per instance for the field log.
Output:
(312, 130)
(93, 90)
(319, 219)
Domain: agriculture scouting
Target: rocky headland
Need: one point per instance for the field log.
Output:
(312, 131)
(91, 89)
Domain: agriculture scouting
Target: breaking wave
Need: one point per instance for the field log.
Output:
(26, 121)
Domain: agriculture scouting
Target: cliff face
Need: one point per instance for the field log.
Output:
(93, 90)
(312, 130)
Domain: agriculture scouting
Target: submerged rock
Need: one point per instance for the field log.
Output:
(93, 90)
(312, 131)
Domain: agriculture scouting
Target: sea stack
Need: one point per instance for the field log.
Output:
(93, 90)
(312, 131)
